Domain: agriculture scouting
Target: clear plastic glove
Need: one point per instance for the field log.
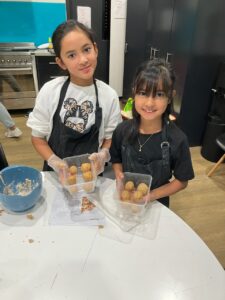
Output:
(99, 159)
(59, 166)
(55, 163)
(119, 181)
(147, 198)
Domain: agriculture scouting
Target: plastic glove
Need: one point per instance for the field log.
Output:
(99, 159)
(147, 198)
(119, 181)
(56, 163)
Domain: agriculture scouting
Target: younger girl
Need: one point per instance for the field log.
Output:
(76, 114)
(150, 143)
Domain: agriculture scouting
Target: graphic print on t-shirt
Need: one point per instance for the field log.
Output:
(76, 116)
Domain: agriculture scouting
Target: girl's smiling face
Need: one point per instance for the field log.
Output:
(78, 55)
(151, 106)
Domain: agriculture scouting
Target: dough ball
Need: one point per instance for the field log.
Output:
(88, 187)
(137, 196)
(73, 189)
(73, 170)
(71, 179)
(129, 186)
(142, 187)
(87, 176)
(85, 167)
(125, 195)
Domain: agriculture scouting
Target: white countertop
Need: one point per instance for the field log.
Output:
(43, 262)
(43, 52)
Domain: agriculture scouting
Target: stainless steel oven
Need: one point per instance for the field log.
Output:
(18, 83)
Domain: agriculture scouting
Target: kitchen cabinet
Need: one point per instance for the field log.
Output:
(189, 34)
(47, 69)
(148, 33)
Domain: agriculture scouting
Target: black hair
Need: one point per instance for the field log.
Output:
(147, 78)
(66, 27)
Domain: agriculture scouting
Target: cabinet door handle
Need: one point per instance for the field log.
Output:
(155, 51)
(152, 53)
(214, 90)
(168, 55)
(52, 63)
(126, 48)
(52, 77)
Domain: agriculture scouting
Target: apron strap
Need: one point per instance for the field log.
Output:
(96, 94)
(165, 146)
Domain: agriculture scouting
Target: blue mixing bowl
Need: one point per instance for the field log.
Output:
(14, 177)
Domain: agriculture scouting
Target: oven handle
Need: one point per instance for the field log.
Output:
(16, 71)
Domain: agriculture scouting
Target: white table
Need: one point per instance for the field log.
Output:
(42, 262)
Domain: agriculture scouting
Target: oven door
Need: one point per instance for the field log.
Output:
(17, 89)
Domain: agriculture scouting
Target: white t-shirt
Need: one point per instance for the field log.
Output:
(78, 109)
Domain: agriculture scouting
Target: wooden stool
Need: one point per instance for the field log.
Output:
(221, 142)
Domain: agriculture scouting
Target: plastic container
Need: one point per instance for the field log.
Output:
(80, 176)
(131, 192)
(20, 188)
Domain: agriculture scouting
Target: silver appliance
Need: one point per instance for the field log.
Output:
(18, 79)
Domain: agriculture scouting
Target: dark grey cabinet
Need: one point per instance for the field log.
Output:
(159, 26)
(190, 34)
(148, 32)
(47, 69)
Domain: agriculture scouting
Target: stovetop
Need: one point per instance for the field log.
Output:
(25, 46)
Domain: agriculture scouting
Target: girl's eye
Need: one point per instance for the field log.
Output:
(72, 55)
(87, 49)
(160, 94)
(141, 93)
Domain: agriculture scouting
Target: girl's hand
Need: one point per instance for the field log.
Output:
(59, 166)
(99, 159)
(119, 181)
(55, 163)
(148, 197)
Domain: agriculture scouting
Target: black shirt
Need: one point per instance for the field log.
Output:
(180, 158)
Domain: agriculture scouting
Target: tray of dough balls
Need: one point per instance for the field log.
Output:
(79, 174)
(132, 190)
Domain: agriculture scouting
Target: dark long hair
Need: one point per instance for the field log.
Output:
(63, 29)
(147, 78)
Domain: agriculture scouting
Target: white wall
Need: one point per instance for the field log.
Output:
(117, 44)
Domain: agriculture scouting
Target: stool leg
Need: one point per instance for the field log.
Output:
(216, 166)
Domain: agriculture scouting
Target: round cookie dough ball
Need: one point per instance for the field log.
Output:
(125, 195)
(73, 170)
(87, 176)
(129, 186)
(72, 189)
(142, 187)
(85, 167)
(88, 187)
(71, 179)
(137, 196)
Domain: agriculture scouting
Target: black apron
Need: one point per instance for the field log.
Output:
(65, 141)
(158, 169)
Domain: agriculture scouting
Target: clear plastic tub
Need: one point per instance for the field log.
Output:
(131, 192)
(80, 175)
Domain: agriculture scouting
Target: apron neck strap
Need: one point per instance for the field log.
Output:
(96, 93)
(165, 146)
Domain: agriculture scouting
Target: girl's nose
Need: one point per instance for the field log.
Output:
(149, 100)
(82, 58)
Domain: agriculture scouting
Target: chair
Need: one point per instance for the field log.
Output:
(221, 143)
(3, 160)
